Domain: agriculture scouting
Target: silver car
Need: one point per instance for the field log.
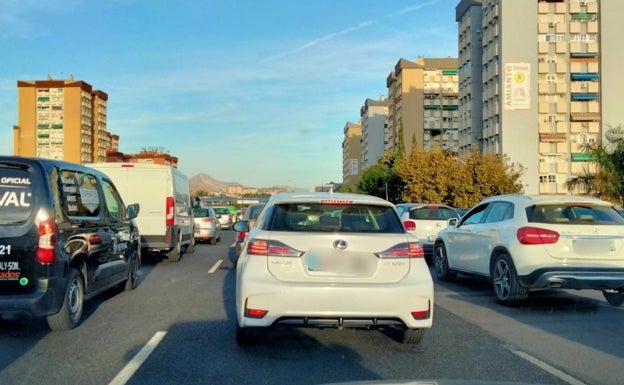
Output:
(207, 226)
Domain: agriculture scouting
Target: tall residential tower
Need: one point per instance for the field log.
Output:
(61, 119)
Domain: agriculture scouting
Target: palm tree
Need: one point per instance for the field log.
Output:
(606, 178)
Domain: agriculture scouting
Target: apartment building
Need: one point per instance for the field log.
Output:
(351, 154)
(373, 116)
(423, 96)
(61, 119)
(549, 82)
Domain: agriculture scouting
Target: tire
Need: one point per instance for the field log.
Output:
(190, 248)
(441, 265)
(614, 297)
(70, 314)
(507, 288)
(133, 272)
(412, 336)
(174, 254)
(213, 240)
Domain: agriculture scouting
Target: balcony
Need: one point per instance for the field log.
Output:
(584, 76)
(583, 16)
(580, 96)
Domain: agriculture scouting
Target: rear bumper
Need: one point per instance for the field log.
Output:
(205, 234)
(575, 278)
(352, 305)
(46, 300)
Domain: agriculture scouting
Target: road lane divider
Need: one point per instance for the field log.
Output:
(215, 266)
(135, 363)
(548, 368)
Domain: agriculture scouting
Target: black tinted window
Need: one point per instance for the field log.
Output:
(79, 194)
(342, 218)
(17, 195)
(574, 214)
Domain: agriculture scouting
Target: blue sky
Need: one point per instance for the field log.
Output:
(250, 91)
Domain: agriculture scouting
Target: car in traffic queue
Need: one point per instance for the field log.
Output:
(524, 243)
(425, 220)
(207, 225)
(225, 216)
(331, 260)
(250, 214)
(65, 236)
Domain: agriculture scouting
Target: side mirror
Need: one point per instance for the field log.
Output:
(453, 222)
(241, 226)
(133, 210)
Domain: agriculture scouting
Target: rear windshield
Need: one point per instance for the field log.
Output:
(574, 214)
(339, 218)
(17, 195)
(432, 213)
(201, 213)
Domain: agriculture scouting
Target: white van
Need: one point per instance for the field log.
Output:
(165, 218)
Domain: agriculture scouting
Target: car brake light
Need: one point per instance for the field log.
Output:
(272, 248)
(420, 314)
(410, 225)
(339, 202)
(241, 235)
(536, 236)
(47, 241)
(170, 211)
(403, 250)
(209, 220)
(255, 313)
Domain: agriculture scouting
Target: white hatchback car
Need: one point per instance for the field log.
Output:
(332, 260)
(524, 243)
(425, 221)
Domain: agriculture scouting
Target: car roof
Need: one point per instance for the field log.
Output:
(325, 196)
(528, 200)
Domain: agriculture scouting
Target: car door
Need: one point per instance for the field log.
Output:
(121, 234)
(464, 242)
(84, 234)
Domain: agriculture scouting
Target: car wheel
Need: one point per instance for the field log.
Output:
(133, 272)
(441, 265)
(190, 248)
(614, 297)
(174, 254)
(507, 287)
(70, 313)
(412, 336)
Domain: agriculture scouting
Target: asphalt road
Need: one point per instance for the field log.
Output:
(178, 327)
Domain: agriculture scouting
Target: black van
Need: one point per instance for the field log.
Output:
(65, 236)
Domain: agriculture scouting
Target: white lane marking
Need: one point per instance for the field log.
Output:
(548, 368)
(215, 266)
(131, 367)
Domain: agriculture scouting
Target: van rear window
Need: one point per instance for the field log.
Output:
(17, 197)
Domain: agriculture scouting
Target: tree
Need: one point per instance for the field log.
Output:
(382, 180)
(604, 176)
(439, 176)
